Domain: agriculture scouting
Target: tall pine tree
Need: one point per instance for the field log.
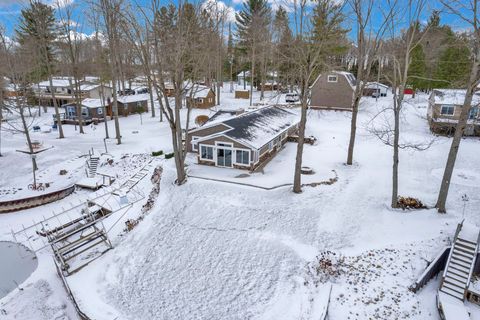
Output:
(252, 31)
(282, 41)
(37, 33)
(453, 66)
(418, 68)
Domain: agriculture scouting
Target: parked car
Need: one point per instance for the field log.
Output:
(292, 97)
(126, 92)
(143, 90)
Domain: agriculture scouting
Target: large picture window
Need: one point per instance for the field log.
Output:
(206, 153)
(243, 157)
(447, 110)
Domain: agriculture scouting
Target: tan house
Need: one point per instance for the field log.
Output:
(202, 98)
(444, 108)
(64, 89)
(243, 141)
(333, 90)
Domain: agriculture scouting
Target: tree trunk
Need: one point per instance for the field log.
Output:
(102, 96)
(452, 154)
(252, 70)
(78, 104)
(457, 138)
(177, 140)
(396, 137)
(353, 130)
(150, 91)
(29, 141)
(57, 113)
(297, 179)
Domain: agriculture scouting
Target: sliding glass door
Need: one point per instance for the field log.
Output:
(224, 157)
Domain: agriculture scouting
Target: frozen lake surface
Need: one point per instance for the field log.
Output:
(17, 265)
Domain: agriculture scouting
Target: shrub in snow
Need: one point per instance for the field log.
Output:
(169, 155)
(157, 153)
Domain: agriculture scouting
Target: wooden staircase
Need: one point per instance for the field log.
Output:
(461, 261)
(92, 166)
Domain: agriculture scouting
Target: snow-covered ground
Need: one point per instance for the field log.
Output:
(216, 250)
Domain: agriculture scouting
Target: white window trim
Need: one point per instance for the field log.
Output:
(330, 78)
(447, 105)
(194, 145)
(249, 157)
(224, 144)
(207, 146)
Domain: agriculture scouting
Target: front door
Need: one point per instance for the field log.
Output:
(224, 157)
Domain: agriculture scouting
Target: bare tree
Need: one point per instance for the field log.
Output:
(110, 11)
(308, 58)
(178, 57)
(17, 69)
(468, 12)
(368, 44)
(71, 38)
(399, 50)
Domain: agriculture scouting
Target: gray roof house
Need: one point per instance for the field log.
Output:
(445, 107)
(244, 141)
(333, 90)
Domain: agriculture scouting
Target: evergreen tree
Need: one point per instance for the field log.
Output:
(253, 32)
(434, 20)
(282, 40)
(36, 34)
(453, 66)
(418, 69)
(328, 19)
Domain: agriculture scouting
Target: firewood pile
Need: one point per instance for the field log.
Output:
(410, 203)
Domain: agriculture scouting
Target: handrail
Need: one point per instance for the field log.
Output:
(457, 231)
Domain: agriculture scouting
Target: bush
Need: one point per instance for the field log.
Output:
(169, 155)
(157, 153)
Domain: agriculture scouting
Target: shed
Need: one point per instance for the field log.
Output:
(333, 90)
(202, 98)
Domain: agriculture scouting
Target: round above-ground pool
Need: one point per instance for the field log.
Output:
(16, 265)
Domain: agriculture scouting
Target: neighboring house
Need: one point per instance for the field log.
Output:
(244, 141)
(269, 86)
(132, 104)
(333, 90)
(243, 78)
(375, 89)
(64, 89)
(92, 110)
(444, 108)
(202, 98)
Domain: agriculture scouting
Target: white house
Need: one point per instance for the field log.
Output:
(381, 88)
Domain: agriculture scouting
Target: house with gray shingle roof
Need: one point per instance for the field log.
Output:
(244, 141)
